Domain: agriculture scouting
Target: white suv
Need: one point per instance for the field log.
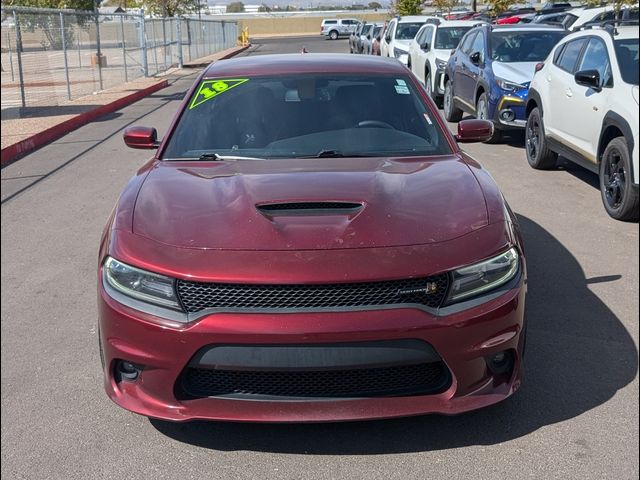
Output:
(583, 104)
(430, 50)
(334, 28)
(398, 35)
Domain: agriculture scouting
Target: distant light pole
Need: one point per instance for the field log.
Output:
(199, 17)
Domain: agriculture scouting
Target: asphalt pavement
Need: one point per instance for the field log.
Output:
(575, 417)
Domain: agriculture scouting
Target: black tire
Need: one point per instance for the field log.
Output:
(619, 197)
(451, 112)
(482, 112)
(333, 35)
(539, 155)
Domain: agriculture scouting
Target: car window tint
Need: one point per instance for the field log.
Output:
(627, 55)
(330, 22)
(595, 57)
(428, 35)
(301, 115)
(558, 54)
(448, 38)
(511, 46)
(570, 55)
(478, 45)
(465, 47)
(407, 31)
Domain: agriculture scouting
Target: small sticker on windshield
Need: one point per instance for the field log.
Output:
(401, 82)
(212, 88)
(402, 89)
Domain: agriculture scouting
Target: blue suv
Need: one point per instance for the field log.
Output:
(488, 75)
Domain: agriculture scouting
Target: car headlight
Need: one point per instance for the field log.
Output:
(440, 63)
(509, 86)
(483, 276)
(141, 284)
(397, 52)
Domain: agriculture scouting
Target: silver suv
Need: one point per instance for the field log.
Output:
(338, 27)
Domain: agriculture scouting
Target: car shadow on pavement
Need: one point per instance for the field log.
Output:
(47, 111)
(578, 356)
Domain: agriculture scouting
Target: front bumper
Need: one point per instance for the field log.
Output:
(509, 110)
(464, 339)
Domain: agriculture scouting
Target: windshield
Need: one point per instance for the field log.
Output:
(627, 54)
(407, 31)
(449, 38)
(518, 46)
(367, 29)
(306, 115)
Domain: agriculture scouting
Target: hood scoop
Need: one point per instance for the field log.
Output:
(293, 209)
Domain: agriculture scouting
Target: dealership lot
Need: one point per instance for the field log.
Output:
(576, 415)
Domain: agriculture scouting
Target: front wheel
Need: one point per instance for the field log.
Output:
(451, 112)
(619, 197)
(538, 154)
(333, 35)
(482, 112)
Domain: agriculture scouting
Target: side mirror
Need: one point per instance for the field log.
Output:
(588, 78)
(378, 38)
(368, 37)
(141, 137)
(475, 58)
(387, 39)
(425, 46)
(470, 131)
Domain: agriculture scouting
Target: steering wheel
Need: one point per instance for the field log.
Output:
(374, 124)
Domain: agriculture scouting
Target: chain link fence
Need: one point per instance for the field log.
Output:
(51, 56)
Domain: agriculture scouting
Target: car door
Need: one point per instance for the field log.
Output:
(589, 105)
(423, 43)
(557, 110)
(388, 37)
(470, 71)
(457, 61)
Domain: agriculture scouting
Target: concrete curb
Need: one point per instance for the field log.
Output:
(230, 54)
(40, 139)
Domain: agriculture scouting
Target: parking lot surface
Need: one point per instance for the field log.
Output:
(576, 415)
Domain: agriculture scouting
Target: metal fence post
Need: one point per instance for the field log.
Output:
(143, 45)
(63, 34)
(179, 35)
(155, 44)
(124, 50)
(98, 52)
(13, 77)
(19, 52)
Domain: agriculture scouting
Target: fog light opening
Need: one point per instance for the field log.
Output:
(507, 115)
(501, 362)
(127, 371)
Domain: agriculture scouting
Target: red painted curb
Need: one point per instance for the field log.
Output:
(40, 139)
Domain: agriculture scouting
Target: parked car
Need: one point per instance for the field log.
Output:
(362, 39)
(398, 36)
(367, 42)
(355, 36)
(583, 104)
(338, 27)
(430, 50)
(591, 15)
(375, 42)
(280, 266)
(565, 19)
(489, 73)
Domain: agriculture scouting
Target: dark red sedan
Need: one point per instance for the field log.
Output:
(309, 244)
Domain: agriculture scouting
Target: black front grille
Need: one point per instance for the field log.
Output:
(404, 380)
(196, 296)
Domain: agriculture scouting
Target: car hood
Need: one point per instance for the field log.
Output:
(402, 44)
(214, 205)
(517, 72)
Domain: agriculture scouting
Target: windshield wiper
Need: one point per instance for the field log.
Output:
(223, 158)
(333, 154)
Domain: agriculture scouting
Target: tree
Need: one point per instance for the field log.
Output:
(408, 7)
(169, 8)
(445, 5)
(374, 5)
(499, 6)
(235, 7)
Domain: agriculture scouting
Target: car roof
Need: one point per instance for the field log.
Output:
(624, 32)
(527, 27)
(460, 23)
(303, 63)
(415, 18)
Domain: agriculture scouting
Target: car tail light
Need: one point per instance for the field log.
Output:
(539, 66)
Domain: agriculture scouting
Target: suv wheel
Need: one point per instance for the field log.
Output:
(333, 35)
(451, 113)
(538, 154)
(482, 112)
(618, 195)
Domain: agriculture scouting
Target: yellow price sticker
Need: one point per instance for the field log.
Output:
(212, 88)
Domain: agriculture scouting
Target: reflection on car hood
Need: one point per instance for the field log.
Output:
(518, 72)
(402, 44)
(213, 204)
